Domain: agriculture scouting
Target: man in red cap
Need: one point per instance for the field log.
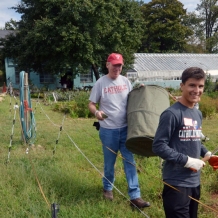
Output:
(111, 93)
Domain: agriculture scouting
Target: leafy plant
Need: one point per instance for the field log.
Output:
(82, 100)
(77, 106)
(207, 106)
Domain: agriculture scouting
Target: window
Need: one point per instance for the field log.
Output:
(46, 78)
(17, 76)
(86, 78)
(132, 75)
(10, 62)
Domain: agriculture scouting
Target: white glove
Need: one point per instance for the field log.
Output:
(194, 164)
(208, 154)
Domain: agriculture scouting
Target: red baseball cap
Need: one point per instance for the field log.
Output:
(115, 58)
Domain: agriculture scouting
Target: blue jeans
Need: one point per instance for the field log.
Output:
(115, 140)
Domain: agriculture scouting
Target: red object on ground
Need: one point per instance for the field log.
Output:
(4, 88)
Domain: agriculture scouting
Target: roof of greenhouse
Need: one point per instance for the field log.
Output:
(171, 64)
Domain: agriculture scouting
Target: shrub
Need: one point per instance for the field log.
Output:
(82, 100)
(76, 107)
(76, 103)
(66, 107)
(213, 95)
(208, 106)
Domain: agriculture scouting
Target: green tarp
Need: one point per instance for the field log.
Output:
(145, 105)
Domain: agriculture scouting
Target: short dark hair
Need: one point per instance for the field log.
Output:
(193, 72)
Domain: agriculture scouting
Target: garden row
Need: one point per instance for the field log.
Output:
(75, 103)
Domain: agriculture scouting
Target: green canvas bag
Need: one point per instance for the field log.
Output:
(145, 105)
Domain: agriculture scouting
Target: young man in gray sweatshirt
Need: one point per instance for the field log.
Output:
(178, 143)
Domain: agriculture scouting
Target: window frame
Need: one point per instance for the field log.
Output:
(46, 78)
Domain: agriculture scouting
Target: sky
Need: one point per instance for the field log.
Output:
(6, 14)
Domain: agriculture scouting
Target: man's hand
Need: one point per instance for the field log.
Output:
(100, 115)
(194, 164)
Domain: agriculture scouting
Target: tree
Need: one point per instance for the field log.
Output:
(196, 42)
(55, 36)
(208, 13)
(164, 30)
(209, 85)
(11, 25)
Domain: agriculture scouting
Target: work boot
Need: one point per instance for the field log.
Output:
(139, 202)
(108, 195)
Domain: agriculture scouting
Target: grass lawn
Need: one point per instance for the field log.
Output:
(65, 167)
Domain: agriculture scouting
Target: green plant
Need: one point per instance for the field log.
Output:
(77, 106)
(213, 95)
(70, 107)
(207, 106)
(82, 100)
